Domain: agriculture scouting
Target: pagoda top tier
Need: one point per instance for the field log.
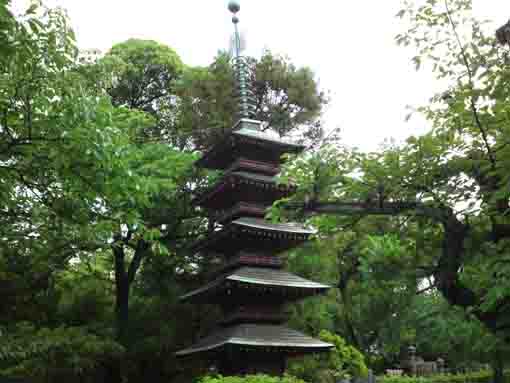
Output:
(247, 140)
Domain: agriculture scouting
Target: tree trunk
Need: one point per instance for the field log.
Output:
(121, 310)
(123, 280)
(351, 332)
(498, 367)
(114, 373)
(121, 293)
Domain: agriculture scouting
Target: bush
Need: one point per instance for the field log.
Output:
(250, 379)
(484, 376)
(59, 354)
(342, 362)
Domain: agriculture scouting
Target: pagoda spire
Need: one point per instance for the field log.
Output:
(244, 95)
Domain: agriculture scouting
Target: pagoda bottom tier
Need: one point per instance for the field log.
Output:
(250, 348)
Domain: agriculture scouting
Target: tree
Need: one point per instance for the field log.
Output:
(73, 172)
(451, 184)
(374, 286)
(96, 183)
(288, 100)
(439, 330)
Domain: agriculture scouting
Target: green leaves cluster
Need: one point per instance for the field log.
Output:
(343, 361)
(250, 379)
(54, 354)
(455, 175)
(287, 99)
(96, 184)
(482, 376)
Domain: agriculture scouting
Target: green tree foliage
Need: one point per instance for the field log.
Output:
(75, 183)
(448, 188)
(483, 376)
(288, 100)
(141, 75)
(374, 287)
(343, 361)
(439, 330)
(62, 353)
(145, 72)
(250, 379)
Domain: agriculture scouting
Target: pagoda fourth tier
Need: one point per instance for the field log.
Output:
(251, 286)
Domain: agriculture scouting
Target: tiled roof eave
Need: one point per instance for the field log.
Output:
(273, 277)
(265, 139)
(256, 226)
(254, 277)
(254, 180)
(257, 223)
(250, 335)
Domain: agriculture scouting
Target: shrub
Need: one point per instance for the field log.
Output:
(250, 379)
(343, 361)
(484, 376)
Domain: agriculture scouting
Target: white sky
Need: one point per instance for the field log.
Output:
(349, 45)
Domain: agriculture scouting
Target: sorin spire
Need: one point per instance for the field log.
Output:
(244, 92)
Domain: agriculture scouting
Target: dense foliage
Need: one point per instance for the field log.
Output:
(482, 376)
(425, 216)
(343, 362)
(97, 179)
(250, 379)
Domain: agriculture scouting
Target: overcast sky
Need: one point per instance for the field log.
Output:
(349, 45)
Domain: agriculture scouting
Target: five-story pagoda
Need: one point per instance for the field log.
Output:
(251, 287)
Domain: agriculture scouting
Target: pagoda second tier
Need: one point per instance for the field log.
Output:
(254, 235)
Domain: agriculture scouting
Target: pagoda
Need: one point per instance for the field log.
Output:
(251, 286)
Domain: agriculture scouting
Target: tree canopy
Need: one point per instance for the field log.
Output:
(96, 214)
(441, 198)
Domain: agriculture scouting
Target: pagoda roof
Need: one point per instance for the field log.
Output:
(255, 277)
(249, 187)
(244, 135)
(290, 227)
(263, 136)
(258, 336)
(239, 210)
(250, 234)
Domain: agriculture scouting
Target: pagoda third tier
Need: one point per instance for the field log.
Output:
(243, 187)
(257, 285)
